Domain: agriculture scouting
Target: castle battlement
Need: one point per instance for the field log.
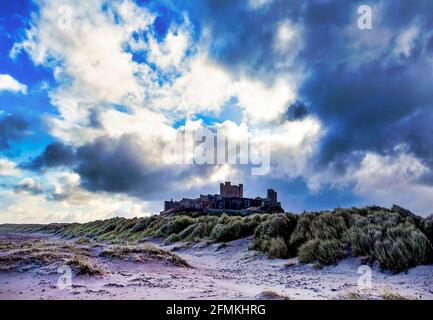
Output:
(230, 198)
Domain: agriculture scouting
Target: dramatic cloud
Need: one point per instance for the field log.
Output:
(119, 165)
(12, 128)
(79, 206)
(65, 186)
(7, 167)
(8, 83)
(391, 180)
(55, 154)
(28, 185)
(247, 38)
(128, 165)
(297, 110)
(343, 108)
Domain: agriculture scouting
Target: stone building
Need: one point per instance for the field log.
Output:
(229, 191)
(230, 198)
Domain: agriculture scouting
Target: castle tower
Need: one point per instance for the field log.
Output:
(229, 191)
(271, 196)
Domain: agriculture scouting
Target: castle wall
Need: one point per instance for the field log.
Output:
(230, 197)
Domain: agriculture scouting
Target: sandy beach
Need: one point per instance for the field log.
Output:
(215, 272)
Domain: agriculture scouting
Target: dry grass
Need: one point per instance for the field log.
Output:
(83, 266)
(387, 294)
(353, 295)
(272, 295)
(394, 237)
(143, 252)
(23, 255)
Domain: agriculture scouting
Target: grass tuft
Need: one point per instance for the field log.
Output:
(321, 251)
(387, 294)
(352, 295)
(83, 267)
(272, 295)
(143, 252)
(273, 234)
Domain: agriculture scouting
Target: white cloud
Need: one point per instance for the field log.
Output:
(95, 71)
(293, 145)
(391, 180)
(405, 42)
(28, 185)
(88, 59)
(288, 40)
(262, 102)
(66, 202)
(8, 83)
(91, 64)
(203, 86)
(31, 208)
(383, 180)
(171, 51)
(7, 167)
(258, 4)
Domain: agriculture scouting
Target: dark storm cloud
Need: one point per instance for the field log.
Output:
(106, 164)
(55, 154)
(297, 111)
(375, 104)
(369, 94)
(122, 165)
(116, 165)
(242, 38)
(12, 128)
(371, 109)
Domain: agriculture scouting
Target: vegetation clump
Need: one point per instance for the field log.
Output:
(143, 252)
(394, 241)
(353, 295)
(395, 237)
(322, 251)
(84, 267)
(272, 295)
(391, 295)
(272, 236)
(232, 228)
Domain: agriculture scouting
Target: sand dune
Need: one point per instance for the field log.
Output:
(29, 265)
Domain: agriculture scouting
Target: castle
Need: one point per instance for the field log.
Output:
(230, 199)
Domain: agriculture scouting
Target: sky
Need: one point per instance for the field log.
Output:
(92, 92)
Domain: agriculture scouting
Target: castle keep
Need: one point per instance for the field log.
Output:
(230, 199)
(229, 191)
